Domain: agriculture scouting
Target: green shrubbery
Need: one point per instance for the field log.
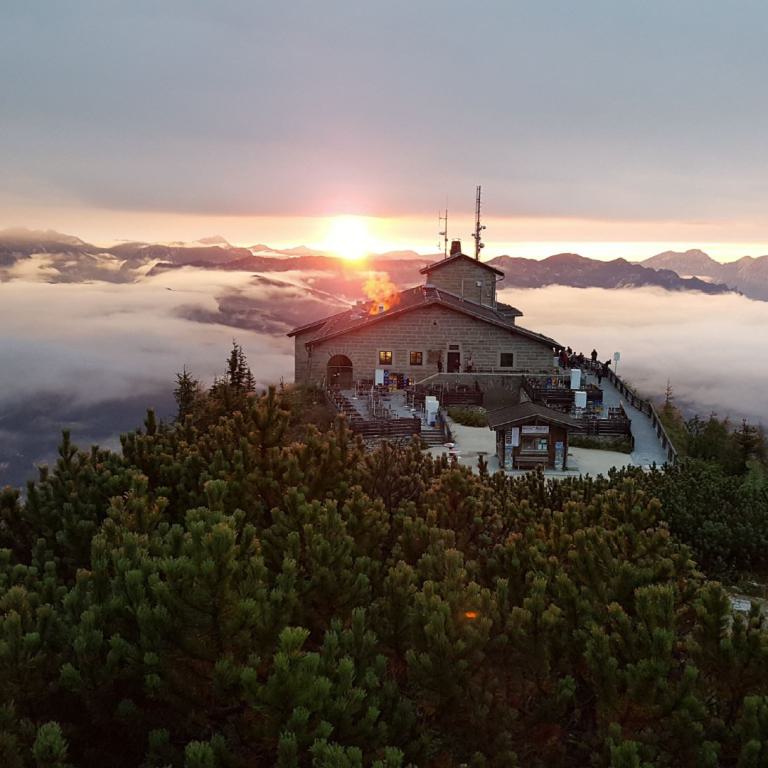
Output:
(621, 445)
(722, 517)
(737, 448)
(223, 596)
(468, 416)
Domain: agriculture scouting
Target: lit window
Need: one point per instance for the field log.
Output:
(385, 358)
(417, 358)
(506, 360)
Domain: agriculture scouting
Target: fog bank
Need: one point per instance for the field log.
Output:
(713, 349)
(92, 357)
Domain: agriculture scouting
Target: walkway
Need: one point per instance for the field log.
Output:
(648, 448)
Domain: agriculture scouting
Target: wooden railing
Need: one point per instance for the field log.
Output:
(618, 426)
(447, 397)
(388, 428)
(481, 373)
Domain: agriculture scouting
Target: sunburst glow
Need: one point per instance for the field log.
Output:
(349, 237)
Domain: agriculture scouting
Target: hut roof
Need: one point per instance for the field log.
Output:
(511, 415)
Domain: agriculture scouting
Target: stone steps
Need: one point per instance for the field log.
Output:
(432, 436)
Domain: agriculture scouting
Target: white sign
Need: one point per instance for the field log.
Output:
(740, 604)
(514, 436)
(535, 429)
(575, 378)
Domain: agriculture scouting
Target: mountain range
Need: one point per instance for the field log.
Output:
(580, 272)
(749, 275)
(55, 257)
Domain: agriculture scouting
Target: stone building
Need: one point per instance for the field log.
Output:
(451, 323)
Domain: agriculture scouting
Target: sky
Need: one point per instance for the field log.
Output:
(607, 128)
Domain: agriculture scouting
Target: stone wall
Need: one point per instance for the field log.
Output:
(461, 278)
(301, 357)
(429, 330)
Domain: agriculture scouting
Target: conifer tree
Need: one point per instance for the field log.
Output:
(218, 595)
(186, 393)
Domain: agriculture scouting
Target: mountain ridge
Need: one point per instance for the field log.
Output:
(58, 257)
(748, 275)
(574, 270)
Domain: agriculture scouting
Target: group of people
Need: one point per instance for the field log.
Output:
(569, 359)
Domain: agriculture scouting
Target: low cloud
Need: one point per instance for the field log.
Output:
(712, 349)
(92, 357)
(84, 356)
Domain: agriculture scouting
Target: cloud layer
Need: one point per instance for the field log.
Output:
(712, 349)
(92, 357)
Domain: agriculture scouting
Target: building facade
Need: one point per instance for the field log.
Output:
(452, 323)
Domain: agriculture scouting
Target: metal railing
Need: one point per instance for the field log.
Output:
(646, 407)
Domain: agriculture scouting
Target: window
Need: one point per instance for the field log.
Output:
(385, 358)
(454, 347)
(534, 444)
(506, 360)
(417, 358)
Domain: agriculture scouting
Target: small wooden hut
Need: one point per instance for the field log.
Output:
(530, 435)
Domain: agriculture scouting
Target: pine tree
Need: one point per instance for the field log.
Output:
(220, 594)
(239, 375)
(235, 371)
(186, 393)
(250, 381)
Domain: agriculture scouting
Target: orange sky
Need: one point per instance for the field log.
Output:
(610, 129)
(530, 237)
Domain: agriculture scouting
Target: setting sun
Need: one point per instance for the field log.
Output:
(348, 237)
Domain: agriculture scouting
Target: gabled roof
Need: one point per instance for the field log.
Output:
(456, 258)
(407, 301)
(515, 414)
(507, 310)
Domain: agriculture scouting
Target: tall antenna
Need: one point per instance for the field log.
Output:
(443, 233)
(477, 234)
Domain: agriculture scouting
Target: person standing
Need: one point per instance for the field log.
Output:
(594, 357)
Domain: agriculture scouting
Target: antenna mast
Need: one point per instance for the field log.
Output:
(443, 233)
(477, 234)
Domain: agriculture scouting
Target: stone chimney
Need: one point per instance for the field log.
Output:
(455, 247)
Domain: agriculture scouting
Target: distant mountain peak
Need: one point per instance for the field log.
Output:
(214, 240)
(25, 235)
(687, 261)
(302, 250)
(566, 258)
